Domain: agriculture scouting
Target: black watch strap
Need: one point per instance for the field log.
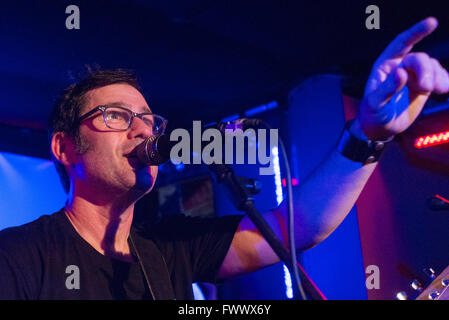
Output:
(355, 149)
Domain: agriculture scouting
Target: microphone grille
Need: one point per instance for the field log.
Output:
(146, 152)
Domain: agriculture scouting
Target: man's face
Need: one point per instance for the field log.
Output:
(105, 165)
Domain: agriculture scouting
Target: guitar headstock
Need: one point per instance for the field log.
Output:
(436, 287)
(417, 285)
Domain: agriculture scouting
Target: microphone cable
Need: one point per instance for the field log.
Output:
(291, 218)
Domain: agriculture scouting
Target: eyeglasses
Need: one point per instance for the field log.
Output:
(120, 118)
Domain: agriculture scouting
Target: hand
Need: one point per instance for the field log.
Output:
(400, 84)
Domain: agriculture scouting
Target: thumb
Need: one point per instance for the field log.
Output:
(395, 81)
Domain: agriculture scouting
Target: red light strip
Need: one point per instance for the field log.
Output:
(432, 140)
(441, 198)
(295, 182)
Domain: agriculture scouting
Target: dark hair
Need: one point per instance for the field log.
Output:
(70, 103)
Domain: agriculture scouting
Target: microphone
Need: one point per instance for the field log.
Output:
(155, 150)
(438, 203)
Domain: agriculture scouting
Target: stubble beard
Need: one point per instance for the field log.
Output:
(144, 180)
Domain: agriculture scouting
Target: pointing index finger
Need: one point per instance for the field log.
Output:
(405, 41)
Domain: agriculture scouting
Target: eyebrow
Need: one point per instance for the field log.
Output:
(143, 109)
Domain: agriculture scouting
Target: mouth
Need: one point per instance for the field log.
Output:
(133, 160)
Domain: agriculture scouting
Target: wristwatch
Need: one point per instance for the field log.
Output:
(355, 149)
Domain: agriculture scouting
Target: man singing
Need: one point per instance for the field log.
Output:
(90, 250)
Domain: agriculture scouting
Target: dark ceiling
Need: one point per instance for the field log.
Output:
(197, 59)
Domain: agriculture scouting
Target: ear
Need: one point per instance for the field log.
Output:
(63, 148)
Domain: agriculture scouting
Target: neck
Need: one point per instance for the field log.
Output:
(105, 227)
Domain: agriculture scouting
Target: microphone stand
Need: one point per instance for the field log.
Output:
(243, 201)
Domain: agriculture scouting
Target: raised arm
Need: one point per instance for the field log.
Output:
(397, 89)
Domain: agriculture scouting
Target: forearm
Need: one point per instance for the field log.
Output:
(325, 198)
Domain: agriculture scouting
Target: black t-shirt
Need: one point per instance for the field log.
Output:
(48, 259)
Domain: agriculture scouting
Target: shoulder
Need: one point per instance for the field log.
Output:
(22, 238)
(23, 253)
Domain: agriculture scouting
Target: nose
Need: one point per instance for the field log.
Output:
(139, 129)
